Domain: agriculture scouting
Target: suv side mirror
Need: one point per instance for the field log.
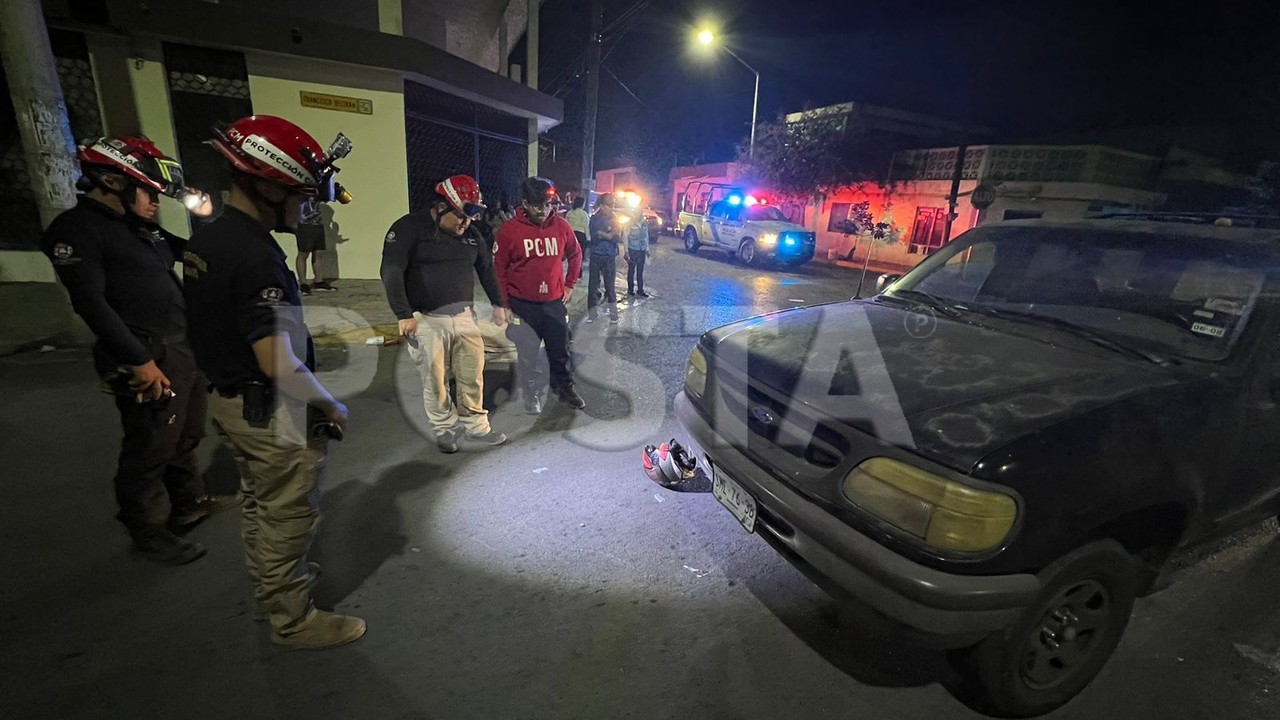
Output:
(886, 280)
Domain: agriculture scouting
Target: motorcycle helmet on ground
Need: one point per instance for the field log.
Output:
(669, 464)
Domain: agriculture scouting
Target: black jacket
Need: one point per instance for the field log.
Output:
(425, 270)
(119, 274)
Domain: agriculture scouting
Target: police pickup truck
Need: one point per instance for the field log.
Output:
(726, 218)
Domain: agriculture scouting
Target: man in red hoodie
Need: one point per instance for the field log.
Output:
(529, 258)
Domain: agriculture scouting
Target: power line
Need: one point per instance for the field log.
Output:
(629, 92)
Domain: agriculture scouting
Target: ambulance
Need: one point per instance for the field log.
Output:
(743, 224)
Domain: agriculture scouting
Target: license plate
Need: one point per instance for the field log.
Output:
(737, 500)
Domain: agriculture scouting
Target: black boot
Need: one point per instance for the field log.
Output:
(161, 546)
(570, 397)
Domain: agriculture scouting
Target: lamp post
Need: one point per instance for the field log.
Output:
(708, 38)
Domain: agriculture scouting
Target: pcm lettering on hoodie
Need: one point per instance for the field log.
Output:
(530, 259)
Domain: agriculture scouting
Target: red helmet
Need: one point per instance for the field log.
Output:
(463, 193)
(137, 157)
(277, 150)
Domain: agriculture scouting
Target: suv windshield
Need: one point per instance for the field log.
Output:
(1172, 294)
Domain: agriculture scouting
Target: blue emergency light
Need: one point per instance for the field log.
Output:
(789, 241)
(735, 199)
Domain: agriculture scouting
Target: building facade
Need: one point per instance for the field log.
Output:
(423, 88)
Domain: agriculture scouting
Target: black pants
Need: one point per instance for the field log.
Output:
(157, 469)
(541, 322)
(635, 270)
(604, 273)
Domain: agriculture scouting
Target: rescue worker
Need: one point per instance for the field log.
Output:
(605, 237)
(248, 333)
(118, 268)
(530, 262)
(430, 260)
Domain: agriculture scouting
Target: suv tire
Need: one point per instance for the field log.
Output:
(1061, 642)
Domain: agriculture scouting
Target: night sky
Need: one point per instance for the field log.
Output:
(1029, 68)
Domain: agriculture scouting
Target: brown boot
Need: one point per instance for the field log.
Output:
(321, 630)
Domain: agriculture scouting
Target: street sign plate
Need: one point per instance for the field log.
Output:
(983, 196)
(735, 499)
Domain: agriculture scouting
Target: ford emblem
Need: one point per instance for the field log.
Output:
(762, 415)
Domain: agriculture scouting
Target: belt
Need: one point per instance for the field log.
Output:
(175, 339)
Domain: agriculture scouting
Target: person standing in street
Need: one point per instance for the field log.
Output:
(250, 339)
(118, 268)
(579, 220)
(430, 260)
(605, 237)
(637, 252)
(530, 260)
(311, 243)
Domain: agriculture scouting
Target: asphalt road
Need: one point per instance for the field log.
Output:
(547, 578)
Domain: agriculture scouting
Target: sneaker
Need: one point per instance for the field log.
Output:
(158, 545)
(591, 318)
(493, 437)
(642, 294)
(570, 397)
(204, 506)
(322, 630)
(532, 403)
(447, 441)
(304, 289)
(613, 319)
(324, 286)
(631, 292)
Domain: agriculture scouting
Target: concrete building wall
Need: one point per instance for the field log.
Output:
(375, 172)
(899, 205)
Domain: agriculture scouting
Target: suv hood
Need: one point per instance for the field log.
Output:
(948, 390)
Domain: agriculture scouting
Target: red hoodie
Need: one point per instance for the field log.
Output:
(529, 259)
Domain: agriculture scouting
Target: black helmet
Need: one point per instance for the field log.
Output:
(537, 190)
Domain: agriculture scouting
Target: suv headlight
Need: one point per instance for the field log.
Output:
(945, 514)
(769, 239)
(695, 373)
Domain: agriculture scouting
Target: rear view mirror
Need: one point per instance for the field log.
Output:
(886, 280)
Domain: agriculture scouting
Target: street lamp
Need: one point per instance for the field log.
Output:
(708, 38)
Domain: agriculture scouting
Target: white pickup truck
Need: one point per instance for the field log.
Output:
(726, 218)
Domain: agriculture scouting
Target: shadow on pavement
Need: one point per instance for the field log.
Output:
(363, 527)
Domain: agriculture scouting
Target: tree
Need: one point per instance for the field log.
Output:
(820, 152)
(861, 224)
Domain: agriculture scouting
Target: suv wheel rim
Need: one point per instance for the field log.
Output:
(747, 252)
(690, 240)
(1064, 640)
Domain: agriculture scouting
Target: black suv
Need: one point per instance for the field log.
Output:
(1002, 449)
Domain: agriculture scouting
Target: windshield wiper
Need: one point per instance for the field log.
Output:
(1078, 330)
(943, 306)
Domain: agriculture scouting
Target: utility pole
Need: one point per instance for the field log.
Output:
(593, 97)
(47, 146)
(953, 198)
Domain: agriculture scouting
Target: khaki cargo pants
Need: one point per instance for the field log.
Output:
(451, 346)
(280, 472)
